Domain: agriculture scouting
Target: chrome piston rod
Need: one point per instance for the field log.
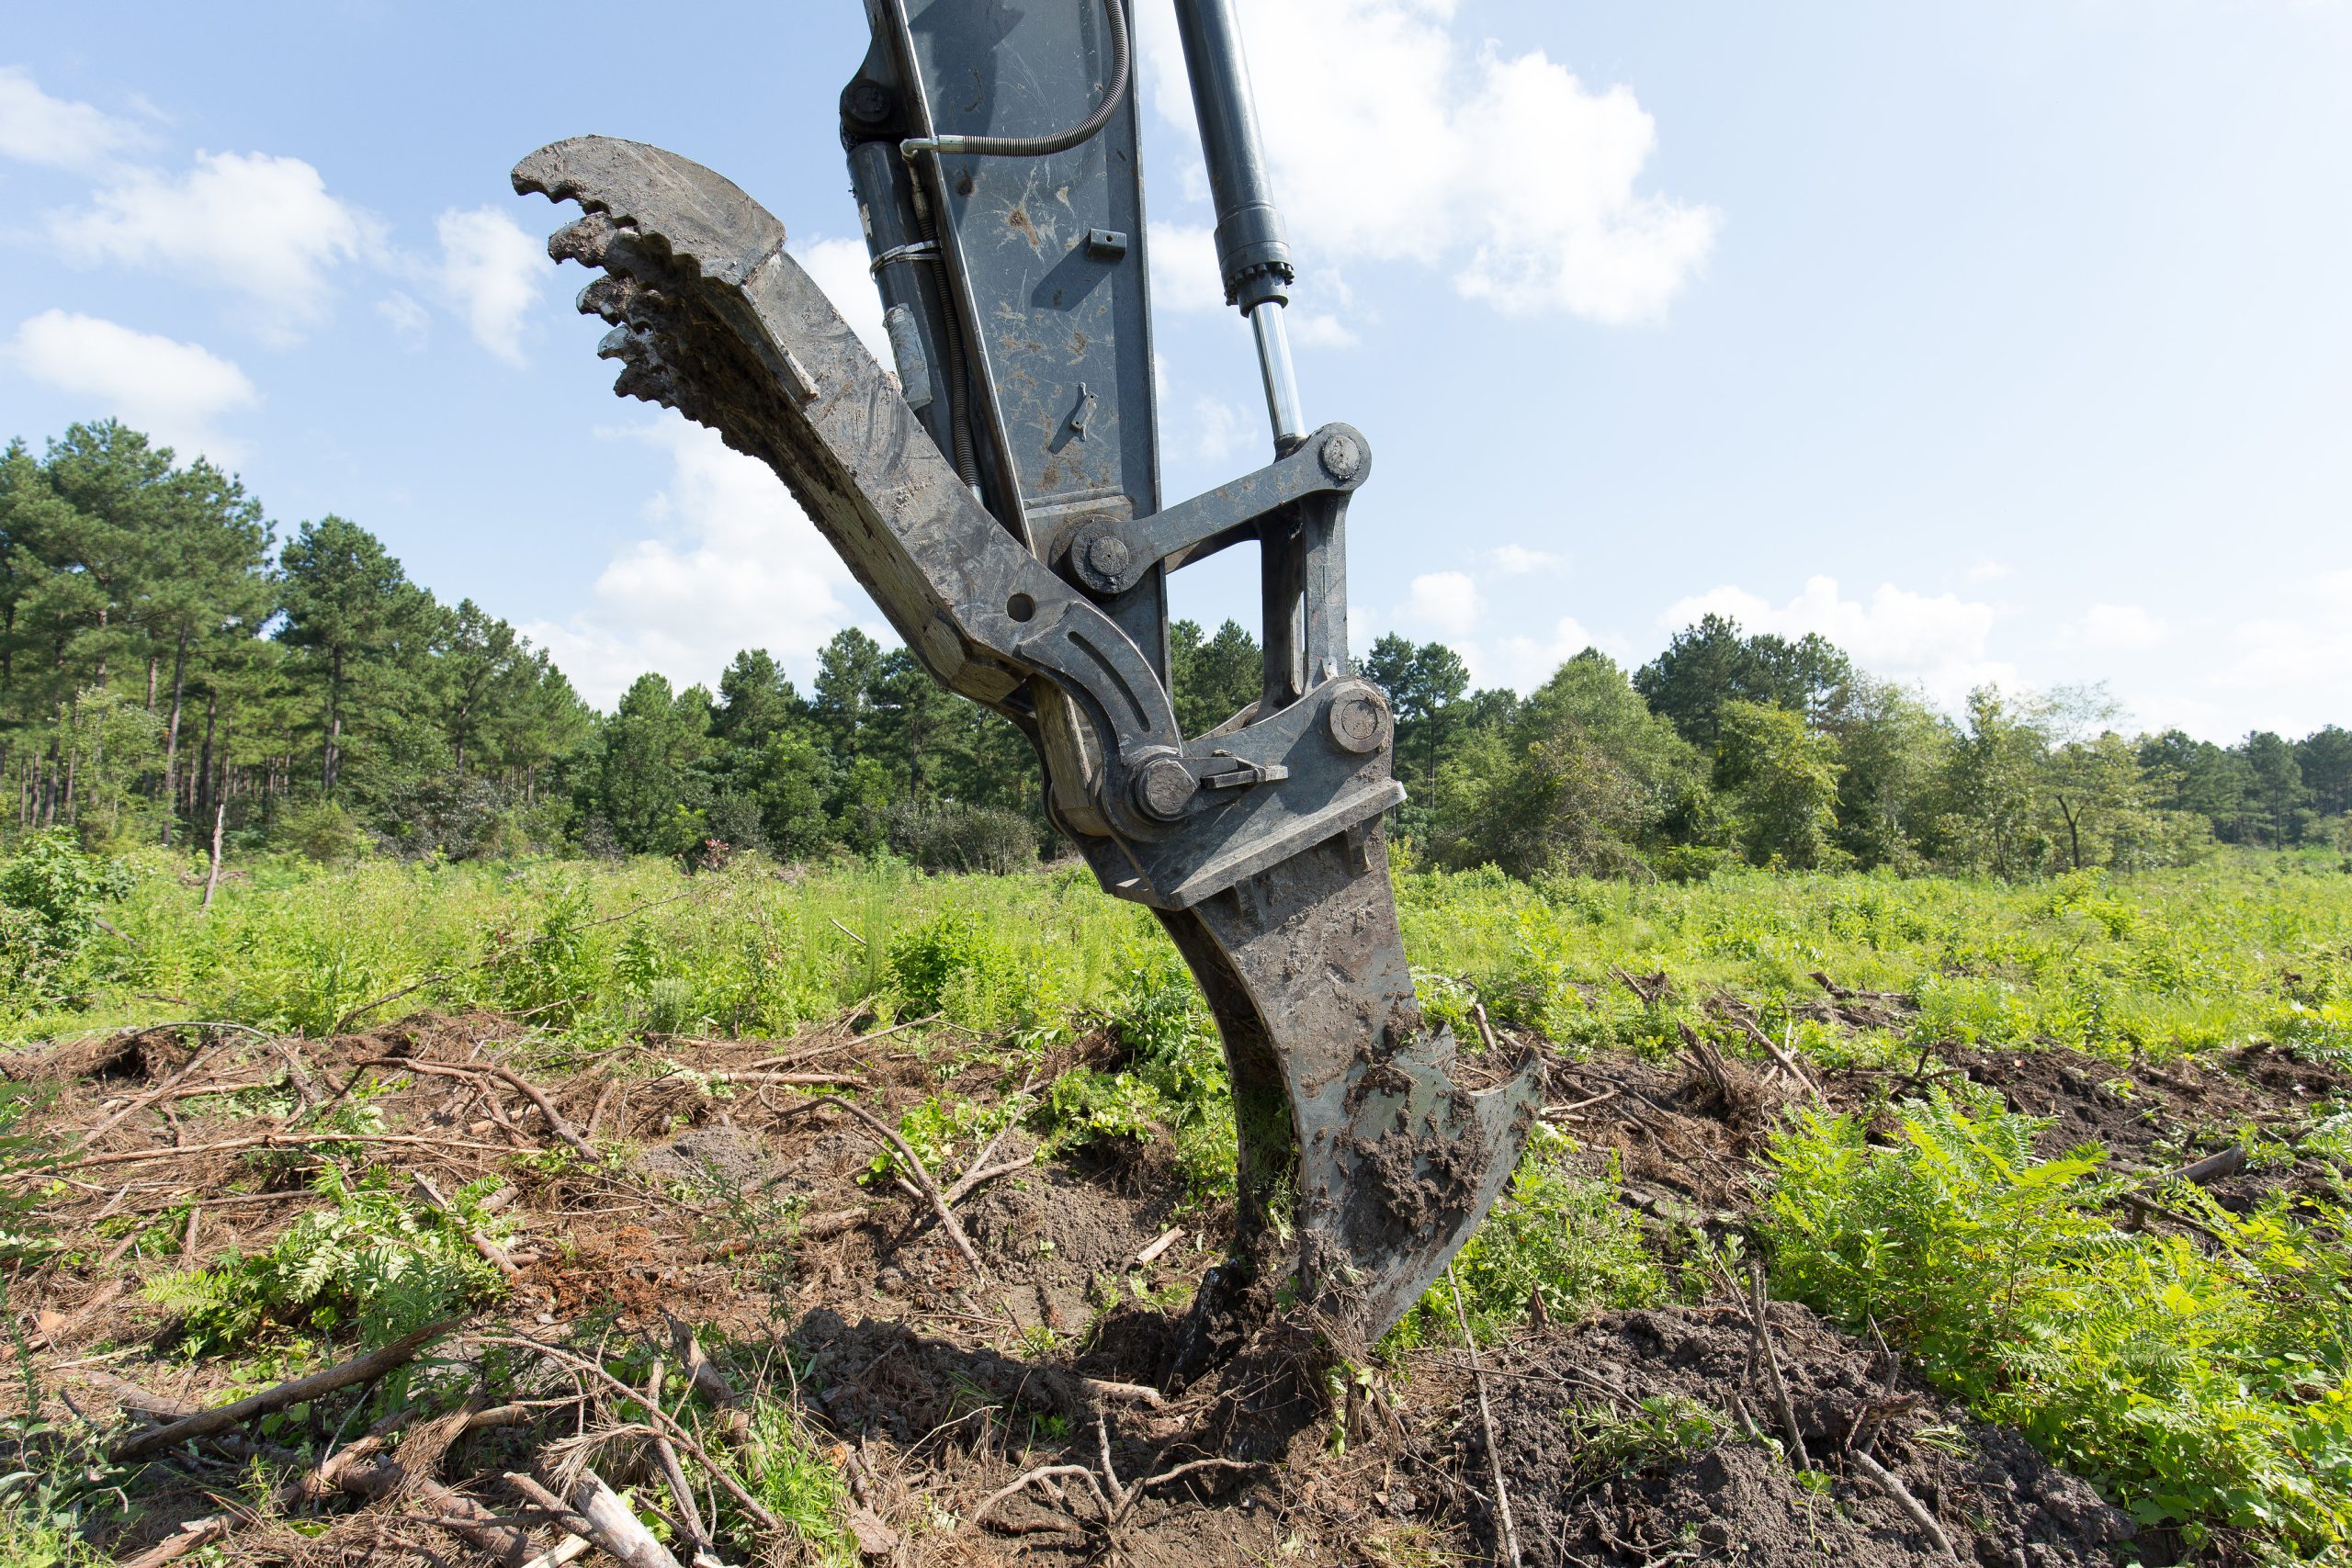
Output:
(1252, 252)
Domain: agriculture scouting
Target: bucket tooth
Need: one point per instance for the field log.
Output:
(1352, 1129)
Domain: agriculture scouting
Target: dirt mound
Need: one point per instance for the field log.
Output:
(2153, 1116)
(1595, 1476)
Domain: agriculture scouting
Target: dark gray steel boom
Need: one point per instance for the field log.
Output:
(1000, 498)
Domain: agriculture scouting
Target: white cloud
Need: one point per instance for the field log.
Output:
(1518, 560)
(1523, 663)
(2285, 671)
(1987, 570)
(259, 226)
(1320, 328)
(1219, 428)
(174, 391)
(1505, 171)
(409, 321)
(58, 133)
(491, 274)
(1938, 641)
(736, 564)
(2117, 627)
(1184, 267)
(1447, 603)
(839, 268)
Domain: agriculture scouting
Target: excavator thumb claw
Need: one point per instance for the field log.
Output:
(1363, 1164)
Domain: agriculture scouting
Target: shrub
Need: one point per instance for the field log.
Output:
(734, 821)
(951, 965)
(460, 817)
(556, 971)
(322, 831)
(958, 837)
(61, 887)
(2210, 1392)
(50, 895)
(373, 1263)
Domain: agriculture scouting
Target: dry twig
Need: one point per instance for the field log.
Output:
(1486, 1419)
(1889, 1483)
(790, 1057)
(1763, 1329)
(679, 1434)
(286, 1139)
(923, 1176)
(530, 1091)
(360, 1369)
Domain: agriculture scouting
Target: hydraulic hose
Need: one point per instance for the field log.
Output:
(1114, 11)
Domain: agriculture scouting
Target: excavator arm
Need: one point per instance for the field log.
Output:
(998, 496)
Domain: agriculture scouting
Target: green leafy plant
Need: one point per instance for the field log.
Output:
(50, 892)
(2208, 1390)
(50, 878)
(799, 1485)
(954, 964)
(46, 1498)
(374, 1264)
(1659, 1430)
(1555, 1237)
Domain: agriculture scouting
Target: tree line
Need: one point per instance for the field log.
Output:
(1734, 748)
(163, 668)
(165, 664)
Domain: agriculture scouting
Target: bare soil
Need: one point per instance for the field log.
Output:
(757, 1220)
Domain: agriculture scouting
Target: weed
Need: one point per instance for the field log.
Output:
(951, 965)
(942, 1133)
(2205, 1390)
(373, 1263)
(1555, 1237)
(46, 1501)
(1659, 1430)
(799, 1485)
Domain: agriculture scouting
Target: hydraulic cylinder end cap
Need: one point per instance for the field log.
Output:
(1254, 258)
(1359, 717)
(1164, 786)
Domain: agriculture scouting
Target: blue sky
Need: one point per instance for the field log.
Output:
(2004, 341)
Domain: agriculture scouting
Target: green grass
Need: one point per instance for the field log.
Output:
(2168, 962)
(586, 946)
(2165, 963)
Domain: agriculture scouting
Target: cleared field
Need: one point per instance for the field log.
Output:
(569, 1116)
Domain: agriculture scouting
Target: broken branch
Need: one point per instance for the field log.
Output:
(1887, 1481)
(923, 1176)
(1772, 1365)
(1486, 1419)
(361, 1368)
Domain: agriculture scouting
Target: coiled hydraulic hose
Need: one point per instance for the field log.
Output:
(1061, 141)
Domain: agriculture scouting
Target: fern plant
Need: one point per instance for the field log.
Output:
(373, 1263)
(2211, 1390)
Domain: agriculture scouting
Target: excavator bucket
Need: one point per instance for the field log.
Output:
(998, 497)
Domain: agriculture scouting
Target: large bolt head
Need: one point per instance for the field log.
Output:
(1342, 458)
(1164, 786)
(1358, 718)
(1108, 555)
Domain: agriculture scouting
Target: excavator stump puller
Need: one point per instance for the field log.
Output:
(998, 496)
